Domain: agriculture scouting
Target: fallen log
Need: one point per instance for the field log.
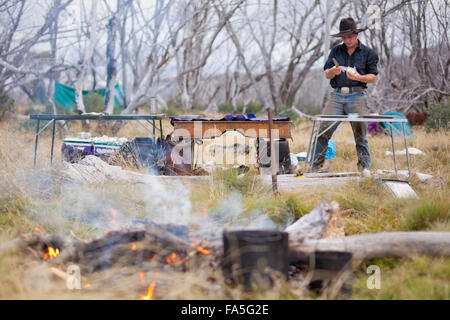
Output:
(378, 245)
(128, 246)
(59, 274)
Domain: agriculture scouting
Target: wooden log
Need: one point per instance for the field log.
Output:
(378, 245)
(59, 274)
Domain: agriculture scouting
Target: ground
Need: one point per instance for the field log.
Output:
(31, 200)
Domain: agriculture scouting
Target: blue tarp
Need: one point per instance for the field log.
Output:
(228, 117)
(397, 127)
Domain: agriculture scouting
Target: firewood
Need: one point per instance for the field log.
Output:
(312, 225)
(378, 245)
(115, 248)
(60, 274)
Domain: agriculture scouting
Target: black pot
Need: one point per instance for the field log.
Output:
(332, 268)
(255, 258)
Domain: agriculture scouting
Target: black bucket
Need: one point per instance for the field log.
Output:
(146, 151)
(255, 258)
(332, 270)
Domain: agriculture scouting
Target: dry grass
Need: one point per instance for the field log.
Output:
(32, 198)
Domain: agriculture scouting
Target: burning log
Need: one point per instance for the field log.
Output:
(127, 246)
(148, 243)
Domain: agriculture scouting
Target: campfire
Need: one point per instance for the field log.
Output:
(149, 294)
(51, 253)
(155, 260)
(157, 252)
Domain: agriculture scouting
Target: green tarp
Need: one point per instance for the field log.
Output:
(65, 95)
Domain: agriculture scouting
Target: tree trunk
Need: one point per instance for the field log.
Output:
(86, 65)
(111, 66)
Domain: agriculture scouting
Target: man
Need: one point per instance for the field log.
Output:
(349, 90)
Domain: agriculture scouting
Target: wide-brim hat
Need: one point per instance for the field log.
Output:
(347, 27)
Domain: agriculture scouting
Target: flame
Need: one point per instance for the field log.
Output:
(40, 230)
(87, 285)
(149, 294)
(52, 253)
(200, 249)
(133, 246)
(205, 211)
(173, 259)
(112, 217)
(142, 276)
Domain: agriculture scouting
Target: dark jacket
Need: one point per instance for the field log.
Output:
(364, 59)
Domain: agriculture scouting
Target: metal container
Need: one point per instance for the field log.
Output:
(331, 270)
(255, 258)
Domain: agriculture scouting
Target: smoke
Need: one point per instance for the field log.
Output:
(65, 204)
(167, 203)
(230, 215)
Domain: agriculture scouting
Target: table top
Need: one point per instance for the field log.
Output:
(362, 118)
(97, 116)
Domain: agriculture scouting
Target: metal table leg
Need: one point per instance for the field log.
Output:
(53, 141)
(308, 153)
(316, 137)
(393, 148)
(154, 130)
(36, 141)
(406, 148)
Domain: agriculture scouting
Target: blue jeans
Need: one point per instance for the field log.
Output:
(342, 104)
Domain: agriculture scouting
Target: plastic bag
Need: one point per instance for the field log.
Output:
(331, 151)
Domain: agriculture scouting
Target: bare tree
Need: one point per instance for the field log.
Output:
(86, 62)
(16, 44)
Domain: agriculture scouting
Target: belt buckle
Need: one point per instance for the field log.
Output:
(345, 90)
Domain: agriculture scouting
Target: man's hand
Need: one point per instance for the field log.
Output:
(332, 72)
(353, 74)
(367, 78)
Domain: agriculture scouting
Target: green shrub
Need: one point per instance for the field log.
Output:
(426, 213)
(94, 102)
(225, 108)
(288, 113)
(439, 116)
(252, 107)
(170, 112)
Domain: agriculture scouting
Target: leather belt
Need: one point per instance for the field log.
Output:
(349, 89)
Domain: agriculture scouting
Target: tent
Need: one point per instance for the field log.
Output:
(65, 95)
(396, 126)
